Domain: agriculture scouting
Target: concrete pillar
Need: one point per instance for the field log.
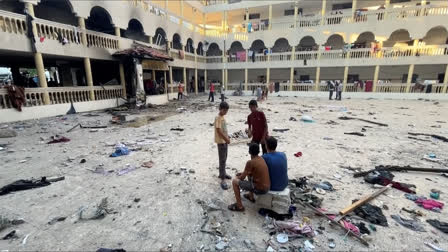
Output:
(270, 17)
(375, 78)
(268, 75)
(344, 83)
(296, 12)
(153, 75)
(269, 54)
(38, 60)
(316, 85)
(247, 55)
(185, 81)
(293, 53)
(82, 25)
(445, 80)
(324, 7)
(226, 78)
(118, 34)
(205, 78)
(291, 78)
(122, 79)
(354, 7)
(88, 70)
(386, 6)
(171, 79)
(414, 47)
(223, 77)
(181, 12)
(196, 81)
(247, 20)
(165, 82)
(409, 81)
(246, 79)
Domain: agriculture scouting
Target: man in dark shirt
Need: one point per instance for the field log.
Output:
(258, 126)
(277, 166)
(258, 181)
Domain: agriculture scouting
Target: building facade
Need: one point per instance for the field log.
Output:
(384, 46)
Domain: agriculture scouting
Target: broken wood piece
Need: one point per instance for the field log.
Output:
(399, 168)
(363, 200)
(55, 179)
(441, 138)
(74, 127)
(363, 120)
(93, 126)
(317, 211)
(415, 138)
(354, 133)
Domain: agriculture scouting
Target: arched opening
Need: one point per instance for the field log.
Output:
(100, 21)
(159, 37)
(436, 36)
(336, 42)
(189, 47)
(200, 49)
(177, 44)
(281, 45)
(60, 11)
(307, 44)
(258, 46)
(401, 37)
(12, 6)
(135, 31)
(213, 50)
(235, 47)
(364, 40)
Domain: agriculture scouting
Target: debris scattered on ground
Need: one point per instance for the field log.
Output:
(411, 224)
(306, 118)
(354, 133)
(441, 138)
(58, 139)
(372, 214)
(95, 212)
(434, 247)
(120, 150)
(440, 225)
(126, 170)
(280, 130)
(363, 120)
(11, 236)
(7, 133)
(177, 129)
(57, 219)
(293, 119)
(148, 164)
(21, 185)
(6, 223)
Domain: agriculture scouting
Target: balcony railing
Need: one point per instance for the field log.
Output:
(12, 23)
(61, 95)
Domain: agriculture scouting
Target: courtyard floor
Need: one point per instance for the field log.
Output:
(163, 207)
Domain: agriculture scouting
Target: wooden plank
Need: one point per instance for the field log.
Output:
(362, 201)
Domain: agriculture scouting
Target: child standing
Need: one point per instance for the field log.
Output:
(222, 140)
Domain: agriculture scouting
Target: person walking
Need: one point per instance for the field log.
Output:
(180, 93)
(211, 96)
(339, 91)
(331, 88)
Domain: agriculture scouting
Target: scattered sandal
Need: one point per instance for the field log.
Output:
(224, 186)
(248, 198)
(234, 207)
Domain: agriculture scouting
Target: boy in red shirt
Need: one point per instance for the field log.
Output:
(211, 96)
(258, 126)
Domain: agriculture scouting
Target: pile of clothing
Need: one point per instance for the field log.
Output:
(429, 204)
(385, 178)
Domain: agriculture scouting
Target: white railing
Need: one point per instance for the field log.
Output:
(214, 59)
(108, 92)
(189, 56)
(391, 88)
(281, 56)
(303, 87)
(308, 21)
(12, 23)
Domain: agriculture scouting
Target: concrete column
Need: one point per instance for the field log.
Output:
(293, 53)
(88, 70)
(270, 17)
(227, 78)
(205, 78)
(246, 79)
(409, 81)
(247, 55)
(324, 7)
(247, 20)
(354, 7)
(445, 80)
(82, 25)
(291, 78)
(153, 75)
(181, 12)
(268, 75)
(185, 81)
(196, 81)
(171, 79)
(223, 77)
(165, 82)
(296, 12)
(316, 85)
(414, 47)
(122, 79)
(38, 60)
(386, 6)
(118, 34)
(269, 54)
(375, 78)
(344, 83)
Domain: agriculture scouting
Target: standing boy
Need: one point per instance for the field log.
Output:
(258, 126)
(180, 93)
(339, 91)
(222, 140)
(331, 89)
(211, 96)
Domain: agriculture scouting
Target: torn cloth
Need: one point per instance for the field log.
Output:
(58, 139)
(440, 225)
(411, 224)
(372, 214)
(348, 225)
(21, 185)
(294, 227)
(430, 204)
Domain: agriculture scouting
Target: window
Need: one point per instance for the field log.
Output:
(342, 6)
(304, 77)
(289, 12)
(351, 78)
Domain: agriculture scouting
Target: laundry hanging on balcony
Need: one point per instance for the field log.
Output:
(241, 56)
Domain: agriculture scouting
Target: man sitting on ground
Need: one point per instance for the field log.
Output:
(258, 179)
(277, 165)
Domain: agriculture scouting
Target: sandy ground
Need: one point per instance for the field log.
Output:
(168, 211)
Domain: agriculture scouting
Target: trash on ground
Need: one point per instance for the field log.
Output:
(363, 120)
(148, 164)
(95, 212)
(280, 130)
(58, 139)
(23, 184)
(10, 236)
(354, 133)
(306, 118)
(126, 170)
(120, 150)
(440, 225)
(411, 224)
(7, 133)
(372, 214)
(177, 129)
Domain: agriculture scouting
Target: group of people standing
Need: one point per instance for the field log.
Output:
(335, 86)
(266, 173)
